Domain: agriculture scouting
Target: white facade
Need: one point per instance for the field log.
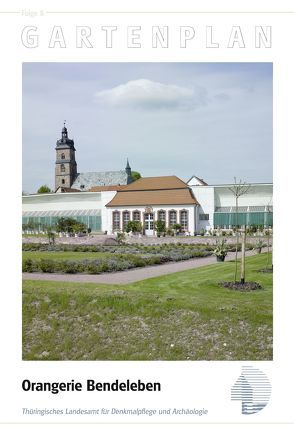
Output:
(191, 213)
(89, 204)
(90, 207)
(219, 198)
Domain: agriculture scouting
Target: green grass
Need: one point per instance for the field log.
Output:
(182, 316)
(28, 236)
(68, 255)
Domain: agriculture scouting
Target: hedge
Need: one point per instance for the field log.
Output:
(102, 265)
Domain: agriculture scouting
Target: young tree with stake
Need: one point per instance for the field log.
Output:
(239, 189)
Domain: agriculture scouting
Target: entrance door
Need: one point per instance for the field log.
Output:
(149, 224)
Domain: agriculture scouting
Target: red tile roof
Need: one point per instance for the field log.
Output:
(156, 183)
(168, 190)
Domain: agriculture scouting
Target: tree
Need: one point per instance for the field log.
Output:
(268, 234)
(69, 225)
(44, 189)
(134, 227)
(243, 249)
(160, 227)
(51, 235)
(79, 227)
(239, 189)
(136, 175)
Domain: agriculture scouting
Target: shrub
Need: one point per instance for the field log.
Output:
(69, 267)
(104, 267)
(177, 228)
(125, 256)
(134, 226)
(160, 227)
(92, 268)
(120, 238)
(112, 265)
(221, 249)
(31, 246)
(27, 265)
(150, 261)
(170, 231)
(46, 266)
(139, 262)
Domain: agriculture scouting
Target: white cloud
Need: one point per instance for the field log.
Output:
(147, 94)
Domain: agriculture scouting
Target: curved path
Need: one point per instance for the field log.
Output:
(133, 275)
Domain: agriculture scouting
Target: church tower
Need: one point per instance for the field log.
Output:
(129, 173)
(65, 165)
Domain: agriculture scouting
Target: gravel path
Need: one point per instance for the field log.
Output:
(133, 275)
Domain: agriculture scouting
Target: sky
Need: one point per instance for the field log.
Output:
(212, 120)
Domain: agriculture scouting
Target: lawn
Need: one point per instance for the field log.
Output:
(182, 316)
(68, 255)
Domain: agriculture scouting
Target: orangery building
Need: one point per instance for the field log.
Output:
(106, 201)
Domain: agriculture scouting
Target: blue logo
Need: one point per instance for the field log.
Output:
(253, 389)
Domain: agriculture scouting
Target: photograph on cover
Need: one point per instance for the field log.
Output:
(147, 211)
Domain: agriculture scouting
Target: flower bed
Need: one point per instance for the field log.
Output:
(106, 264)
(129, 248)
(124, 256)
(241, 287)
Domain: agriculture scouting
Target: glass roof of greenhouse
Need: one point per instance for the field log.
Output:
(61, 213)
(242, 209)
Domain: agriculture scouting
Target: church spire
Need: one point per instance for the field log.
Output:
(128, 168)
(64, 132)
(129, 172)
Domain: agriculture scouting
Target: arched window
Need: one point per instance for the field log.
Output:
(161, 215)
(136, 215)
(63, 156)
(62, 168)
(116, 220)
(172, 218)
(63, 181)
(126, 218)
(184, 220)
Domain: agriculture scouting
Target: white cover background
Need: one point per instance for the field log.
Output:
(184, 384)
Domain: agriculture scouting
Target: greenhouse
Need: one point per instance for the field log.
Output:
(228, 217)
(41, 220)
(41, 211)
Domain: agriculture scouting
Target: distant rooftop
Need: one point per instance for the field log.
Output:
(157, 183)
(196, 181)
(114, 188)
(87, 180)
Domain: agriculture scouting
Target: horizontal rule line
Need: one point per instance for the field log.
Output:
(170, 12)
(150, 12)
